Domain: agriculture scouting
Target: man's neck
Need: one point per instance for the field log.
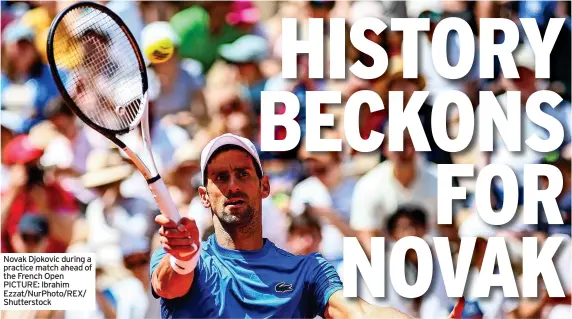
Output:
(239, 238)
(404, 173)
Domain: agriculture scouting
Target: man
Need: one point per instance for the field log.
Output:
(246, 54)
(404, 178)
(329, 191)
(237, 272)
(411, 220)
(202, 30)
(30, 193)
(177, 84)
(304, 234)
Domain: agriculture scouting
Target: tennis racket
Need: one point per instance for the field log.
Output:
(101, 74)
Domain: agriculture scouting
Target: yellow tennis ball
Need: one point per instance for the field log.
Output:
(160, 50)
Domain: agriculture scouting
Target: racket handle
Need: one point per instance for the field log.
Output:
(163, 200)
(165, 203)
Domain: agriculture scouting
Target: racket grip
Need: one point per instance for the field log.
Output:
(165, 203)
(163, 200)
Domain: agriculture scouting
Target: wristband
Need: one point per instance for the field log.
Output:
(185, 267)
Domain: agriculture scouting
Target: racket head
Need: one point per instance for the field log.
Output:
(98, 68)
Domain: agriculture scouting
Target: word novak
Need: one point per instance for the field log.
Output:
(454, 279)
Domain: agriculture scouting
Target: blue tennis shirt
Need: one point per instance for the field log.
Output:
(265, 283)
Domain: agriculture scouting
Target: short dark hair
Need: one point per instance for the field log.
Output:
(415, 213)
(230, 147)
(304, 221)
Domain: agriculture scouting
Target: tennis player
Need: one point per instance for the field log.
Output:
(237, 273)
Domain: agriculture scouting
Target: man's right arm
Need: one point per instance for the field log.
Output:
(167, 283)
(172, 278)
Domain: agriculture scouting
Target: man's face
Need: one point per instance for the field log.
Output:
(234, 192)
(95, 48)
(304, 241)
(405, 227)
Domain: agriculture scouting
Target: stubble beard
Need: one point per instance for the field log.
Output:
(244, 222)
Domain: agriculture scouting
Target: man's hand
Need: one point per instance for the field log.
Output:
(181, 239)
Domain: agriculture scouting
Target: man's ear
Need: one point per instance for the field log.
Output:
(265, 185)
(204, 197)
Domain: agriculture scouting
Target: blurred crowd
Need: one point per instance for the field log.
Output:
(67, 189)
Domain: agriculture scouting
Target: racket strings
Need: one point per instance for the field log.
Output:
(102, 70)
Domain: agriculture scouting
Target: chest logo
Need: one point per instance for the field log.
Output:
(283, 287)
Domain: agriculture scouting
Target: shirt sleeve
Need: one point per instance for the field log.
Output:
(324, 281)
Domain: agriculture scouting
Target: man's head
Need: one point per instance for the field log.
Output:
(407, 221)
(233, 181)
(20, 50)
(304, 235)
(62, 117)
(33, 230)
(246, 53)
(96, 43)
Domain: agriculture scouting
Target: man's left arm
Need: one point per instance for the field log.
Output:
(340, 307)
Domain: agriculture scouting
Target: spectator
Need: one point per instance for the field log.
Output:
(179, 179)
(111, 216)
(245, 16)
(31, 193)
(404, 178)
(40, 18)
(329, 193)
(246, 54)
(304, 235)
(67, 153)
(32, 235)
(27, 84)
(176, 84)
(134, 291)
(203, 30)
(11, 124)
